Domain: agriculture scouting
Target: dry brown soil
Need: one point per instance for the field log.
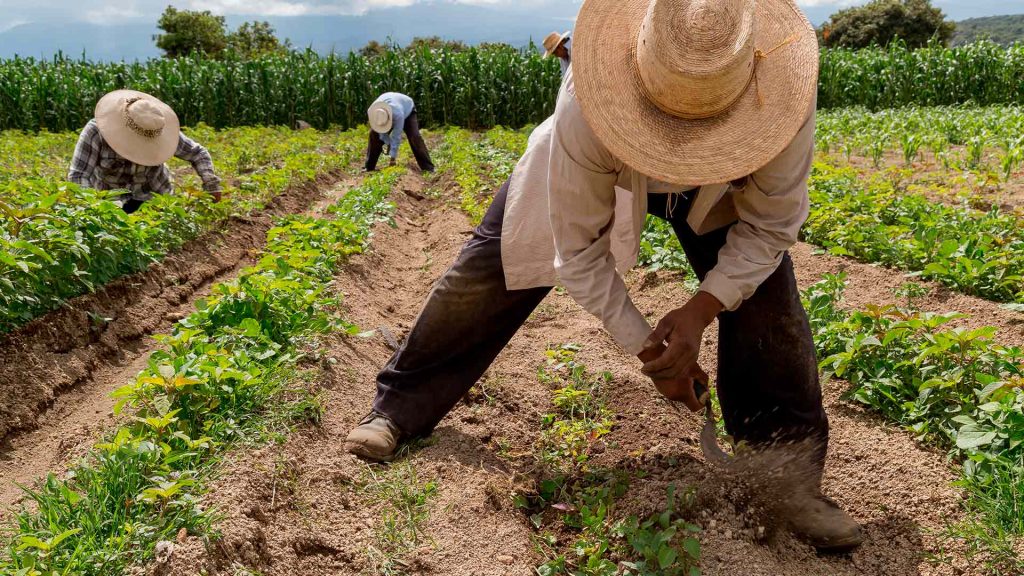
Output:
(303, 507)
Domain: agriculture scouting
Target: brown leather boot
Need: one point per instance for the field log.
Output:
(823, 524)
(376, 438)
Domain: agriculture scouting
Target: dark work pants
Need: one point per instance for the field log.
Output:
(412, 132)
(767, 371)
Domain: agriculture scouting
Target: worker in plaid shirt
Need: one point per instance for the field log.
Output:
(126, 147)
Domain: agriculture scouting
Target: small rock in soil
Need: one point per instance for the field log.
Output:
(506, 560)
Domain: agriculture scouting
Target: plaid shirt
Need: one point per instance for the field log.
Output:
(96, 165)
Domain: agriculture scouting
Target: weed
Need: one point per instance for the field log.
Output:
(405, 506)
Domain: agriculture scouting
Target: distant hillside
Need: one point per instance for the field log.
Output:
(1000, 29)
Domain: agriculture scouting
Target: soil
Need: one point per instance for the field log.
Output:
(58, 371)
(929, 177)
(305, 507)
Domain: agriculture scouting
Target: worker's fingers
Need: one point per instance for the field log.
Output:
(680, 390)
(661, 332)
(673, 362)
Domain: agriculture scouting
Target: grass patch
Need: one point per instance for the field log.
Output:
(405, 503)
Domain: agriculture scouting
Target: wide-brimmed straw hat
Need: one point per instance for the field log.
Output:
(380, 117)
(139, 127)
(553, 41)
(695, 91)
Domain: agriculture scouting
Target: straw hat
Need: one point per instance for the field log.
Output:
(553, 41)
(138, 127)
(380, 117)
(695, 91)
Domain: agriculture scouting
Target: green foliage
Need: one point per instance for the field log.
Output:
(576, 496)
(579, 419)
(209, 386)
(475, 87)
(982, 73)
(255, 39)
(879, 22)
(951, 386)
(973, 252)
(1004, 30)
(190, 31)
(477, 166)
(58, 240)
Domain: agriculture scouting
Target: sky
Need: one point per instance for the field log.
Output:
(123, 29)
(16, 12)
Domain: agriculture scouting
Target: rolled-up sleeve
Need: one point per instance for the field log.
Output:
(771, 208)
(201, 161)
(86, 157)
(581, 200)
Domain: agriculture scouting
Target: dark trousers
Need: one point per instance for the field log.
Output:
(131, 205)
(412, 132)
(767, 371)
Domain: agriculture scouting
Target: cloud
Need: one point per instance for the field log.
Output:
(835, 3)
(316, 7)
(112, 12)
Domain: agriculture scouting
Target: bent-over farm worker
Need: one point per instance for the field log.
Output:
(699, 112)
(390, 115)
(127, 144)
(560, 45)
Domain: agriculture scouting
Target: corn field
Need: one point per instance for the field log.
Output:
(474, 88)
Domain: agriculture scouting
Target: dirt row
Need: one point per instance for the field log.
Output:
(306, 507)
(57, 372)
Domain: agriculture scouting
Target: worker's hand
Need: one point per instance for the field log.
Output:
(680, 389)
(682, 330)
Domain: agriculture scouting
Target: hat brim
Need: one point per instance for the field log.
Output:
(129, 145)
(713, 150)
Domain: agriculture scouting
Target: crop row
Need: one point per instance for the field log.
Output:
(954, 387)
(476, 87)
(223, 376)
(58, 240)
(575, 496)
(477, 167)
(977, 253)
(957, 137)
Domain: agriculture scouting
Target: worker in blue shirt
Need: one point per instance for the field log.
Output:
(390, 115)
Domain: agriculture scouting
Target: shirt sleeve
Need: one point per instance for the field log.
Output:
(581, 198)
(397, 127)
(771, 209)
(86, 157)
(201, 161)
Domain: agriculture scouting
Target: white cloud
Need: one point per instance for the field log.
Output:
(835, 3)
(112, 12)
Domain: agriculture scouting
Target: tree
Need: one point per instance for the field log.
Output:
(188, 31)
(435, 43)
(373, 49)
(254, 39)
(879, 22)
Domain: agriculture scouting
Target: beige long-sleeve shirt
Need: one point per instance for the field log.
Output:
(575, 213)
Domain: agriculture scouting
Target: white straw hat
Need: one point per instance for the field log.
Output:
(553, 41)
(695, 91)
(380, 117)
(138, 127)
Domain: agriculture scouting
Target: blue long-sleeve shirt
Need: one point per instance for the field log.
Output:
(401, 107)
